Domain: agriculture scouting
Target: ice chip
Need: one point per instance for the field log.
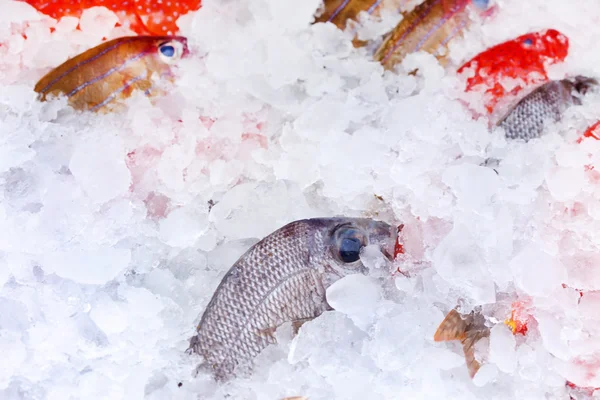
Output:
(502, 348)
(183, 226)
(473, 185)
(536, 271)
(110, 316)
(356, 296)
(565, 183)
(102, 175)
(486, 374)
(94, 266)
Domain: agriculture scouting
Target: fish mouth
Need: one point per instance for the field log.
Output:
(389, 250)
(386, 236)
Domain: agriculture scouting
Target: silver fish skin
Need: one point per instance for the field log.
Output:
(282, 278)
(547, 103)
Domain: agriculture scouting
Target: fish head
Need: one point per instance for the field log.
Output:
(583, 84)
(345, 240)
(551, 44)
(573, 89)
(165, 51)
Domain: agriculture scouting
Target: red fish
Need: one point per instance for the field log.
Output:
(524, 58)
(97, 78)
(156, 17)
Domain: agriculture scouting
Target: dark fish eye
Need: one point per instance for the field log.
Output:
(350, 250)
(167, 50)
(528, 42)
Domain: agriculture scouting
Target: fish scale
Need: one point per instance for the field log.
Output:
(280, 279)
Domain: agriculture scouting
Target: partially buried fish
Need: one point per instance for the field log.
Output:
(96, 79)
(282, 278)
(468, 329)
(339, 12)
(547, 103)
(429, 27)
(155, 17)
(523, 60)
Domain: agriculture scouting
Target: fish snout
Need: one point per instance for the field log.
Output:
(584, 84)
(386, 236)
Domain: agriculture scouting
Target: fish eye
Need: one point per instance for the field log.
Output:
(348, 243)
(528, 42)
(167, 50)
(350, 250)
(170, 52)
(482, 4)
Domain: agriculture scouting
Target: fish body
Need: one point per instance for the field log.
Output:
(95, 79)
(339, 12)
(527, 118)
(468, 329)
(283, 278)
(429, 27)
(524, 59)
(143, 16)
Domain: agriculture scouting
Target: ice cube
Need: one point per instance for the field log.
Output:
(94, 266)
(183, 226)
(356, 296)
(502, 348)
(102, 175)
(536, 271)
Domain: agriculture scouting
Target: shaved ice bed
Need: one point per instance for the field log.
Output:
(117, 229)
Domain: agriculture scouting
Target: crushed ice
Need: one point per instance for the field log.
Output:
(117, 229)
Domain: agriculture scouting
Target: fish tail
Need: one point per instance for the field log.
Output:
(469, 349)
(453, 327)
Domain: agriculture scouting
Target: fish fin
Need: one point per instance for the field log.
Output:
(469, 349)
(193, 345)
(298, 323)
(269, 332)
(453, 327)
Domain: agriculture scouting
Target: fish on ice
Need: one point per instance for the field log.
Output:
(527, 118)
(283, 278)
(98, 78)
(339, 12)
(145, 17)
(430, 26)
(524, 59)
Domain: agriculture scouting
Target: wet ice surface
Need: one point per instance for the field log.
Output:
(117, 229)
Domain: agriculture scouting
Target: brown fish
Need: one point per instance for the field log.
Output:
(469, 329)
(96, 79)
(283, 278)
(339, 12)
(429, 27)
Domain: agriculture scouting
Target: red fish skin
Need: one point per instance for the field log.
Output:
(524, 58)
(143, 16)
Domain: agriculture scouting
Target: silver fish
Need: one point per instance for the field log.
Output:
(527, 118)
(282, 278)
